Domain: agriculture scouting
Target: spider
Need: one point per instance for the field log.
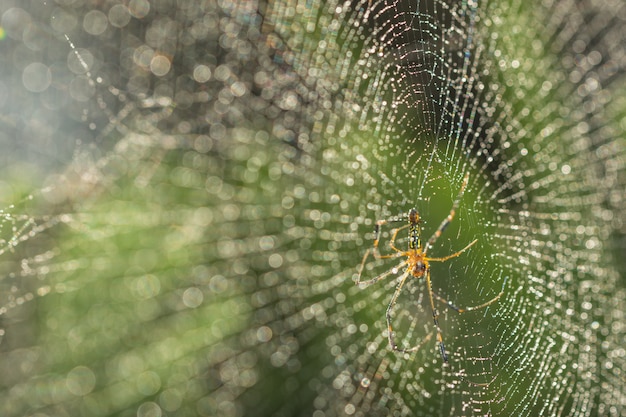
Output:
(417, 265)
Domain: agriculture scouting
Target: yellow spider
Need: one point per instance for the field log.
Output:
(417, 265)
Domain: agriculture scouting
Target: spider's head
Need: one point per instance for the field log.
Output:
(414, 216)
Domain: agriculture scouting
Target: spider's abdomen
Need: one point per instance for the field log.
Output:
(414, 230)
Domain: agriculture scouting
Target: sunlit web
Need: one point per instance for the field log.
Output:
(195, 251)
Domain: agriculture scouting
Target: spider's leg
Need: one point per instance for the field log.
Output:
(446, 222)
(377, 229)
(392, 242)
(454, 255)
(472, 308)
(442, 347)
(448, 303)
(381, 276)
(374, 251)
(376, 254)
(392, 303)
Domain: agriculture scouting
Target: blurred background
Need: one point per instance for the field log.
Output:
(187, 191)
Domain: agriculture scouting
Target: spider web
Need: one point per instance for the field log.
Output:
(190, 188)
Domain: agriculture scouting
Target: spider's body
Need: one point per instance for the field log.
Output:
(414, 230)
(417, 264)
